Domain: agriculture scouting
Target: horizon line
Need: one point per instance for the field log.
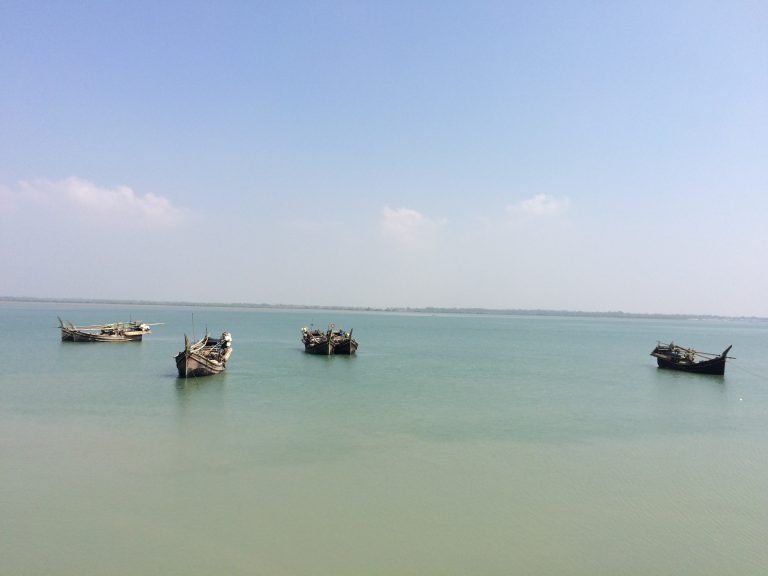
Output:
(410, 309)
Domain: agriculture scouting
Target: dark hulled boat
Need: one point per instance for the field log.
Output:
(330, 342)
(132, 331)
(206, 357)
(343, 343)
(316, 341)
(674, 357)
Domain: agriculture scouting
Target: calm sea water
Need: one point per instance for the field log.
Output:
(450, 445)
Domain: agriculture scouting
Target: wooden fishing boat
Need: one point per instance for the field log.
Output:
(132, 331)
(317, 342)
(674, 357)
(343, 343)
(206, 357)
(330, 342)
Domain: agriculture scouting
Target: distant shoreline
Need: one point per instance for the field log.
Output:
(392, 309)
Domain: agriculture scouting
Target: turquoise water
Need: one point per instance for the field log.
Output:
(449, 445)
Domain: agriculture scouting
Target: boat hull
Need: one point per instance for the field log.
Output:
(322, 348)
(191, 365)
(69, 335)
(715, 366)
(346, 347)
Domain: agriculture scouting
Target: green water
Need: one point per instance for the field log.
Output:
(450, 445)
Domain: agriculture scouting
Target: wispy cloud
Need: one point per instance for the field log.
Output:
(540, 205)
(90, 199)
(409, 228)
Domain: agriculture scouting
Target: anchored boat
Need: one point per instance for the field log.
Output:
(317, 342)
(674, 357)
(206, 357)
(343, 343)
(132, 331)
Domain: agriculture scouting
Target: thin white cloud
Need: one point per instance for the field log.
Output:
(540, 205)
(409, 228)
(90, 199)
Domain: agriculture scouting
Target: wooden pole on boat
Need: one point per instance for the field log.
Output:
(186, 353)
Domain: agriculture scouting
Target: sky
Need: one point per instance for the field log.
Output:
(591, 156)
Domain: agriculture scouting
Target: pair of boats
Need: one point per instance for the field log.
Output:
(204, 357)
(674, 357)
(328, 343)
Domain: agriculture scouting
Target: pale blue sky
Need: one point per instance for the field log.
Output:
(562, 155)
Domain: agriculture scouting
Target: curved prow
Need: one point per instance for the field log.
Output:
(725, 354)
